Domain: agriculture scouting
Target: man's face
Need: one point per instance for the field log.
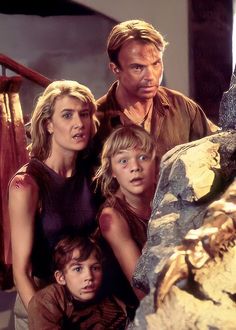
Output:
(140, 69)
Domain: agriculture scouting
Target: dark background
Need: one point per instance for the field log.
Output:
(210, 37)
(210, 42)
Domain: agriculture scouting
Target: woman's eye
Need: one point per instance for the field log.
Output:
(84, 114)
(67, 115)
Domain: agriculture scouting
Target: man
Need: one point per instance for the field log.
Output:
(135, 51)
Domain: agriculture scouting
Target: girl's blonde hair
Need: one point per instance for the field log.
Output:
(40, 138)
(123, 138)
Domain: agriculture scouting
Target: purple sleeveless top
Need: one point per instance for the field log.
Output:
(67, 205)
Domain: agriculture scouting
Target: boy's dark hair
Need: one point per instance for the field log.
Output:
(64, 249)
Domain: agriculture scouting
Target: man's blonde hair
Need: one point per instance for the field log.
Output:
(136, 30)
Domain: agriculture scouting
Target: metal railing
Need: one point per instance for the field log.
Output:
(8, 63)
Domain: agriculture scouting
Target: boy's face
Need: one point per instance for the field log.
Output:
(135, 171)
(82, 278)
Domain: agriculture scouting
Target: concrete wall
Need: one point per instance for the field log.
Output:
(170, 17)
(59, 47)
(74, 47)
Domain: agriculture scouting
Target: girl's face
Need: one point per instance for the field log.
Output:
(135, 171)
(70, 125)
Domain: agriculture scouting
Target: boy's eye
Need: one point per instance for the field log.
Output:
(97, 268)
(78, 269)
(123, 161)
(143, 157)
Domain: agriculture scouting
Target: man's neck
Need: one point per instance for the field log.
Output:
(133, 105)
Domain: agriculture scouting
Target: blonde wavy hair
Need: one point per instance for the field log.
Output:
(122, 138)
(40, 146)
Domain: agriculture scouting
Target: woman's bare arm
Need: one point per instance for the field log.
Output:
(23, 202)
(116, 231)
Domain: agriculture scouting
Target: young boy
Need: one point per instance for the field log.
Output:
(77, 300)
(128, 176)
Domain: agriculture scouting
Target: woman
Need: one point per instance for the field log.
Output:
(51, 195)
(127, 176)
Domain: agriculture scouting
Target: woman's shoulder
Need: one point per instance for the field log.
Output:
(22, 180)
(23, 183)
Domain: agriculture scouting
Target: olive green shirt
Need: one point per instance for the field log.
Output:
(175, 119)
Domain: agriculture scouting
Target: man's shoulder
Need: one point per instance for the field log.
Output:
(173, 99)
(172, 93)
(107, 100)
(101, 99)
(101, 102)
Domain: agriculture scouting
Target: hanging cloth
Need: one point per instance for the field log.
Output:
(13, 154)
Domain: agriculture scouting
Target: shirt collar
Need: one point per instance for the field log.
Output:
(161, 102)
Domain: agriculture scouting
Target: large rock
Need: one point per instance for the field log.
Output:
(192, 176)
(187, 266)
(227, 111)
(197, 289)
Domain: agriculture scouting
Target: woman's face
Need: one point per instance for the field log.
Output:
(70, 125)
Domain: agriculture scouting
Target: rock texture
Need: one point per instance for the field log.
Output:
(227, 112)
(192, 177)
(197, 290)
(188, 264)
